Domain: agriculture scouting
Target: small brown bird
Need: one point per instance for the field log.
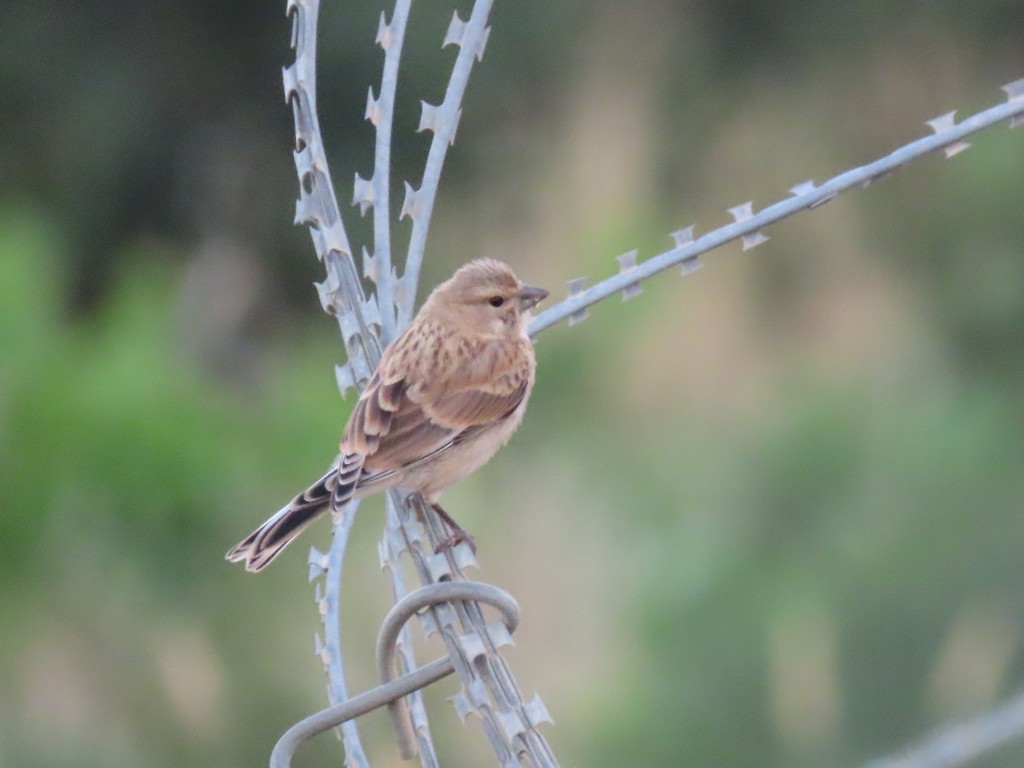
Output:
(448, 393)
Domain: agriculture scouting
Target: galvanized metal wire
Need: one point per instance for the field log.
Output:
(960, 743)
(488, 687)
(448, 604)
(392, 690)
(748, 226)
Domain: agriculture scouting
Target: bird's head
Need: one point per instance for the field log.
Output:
(487, 296)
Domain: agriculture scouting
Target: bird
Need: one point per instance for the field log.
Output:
(448, 393)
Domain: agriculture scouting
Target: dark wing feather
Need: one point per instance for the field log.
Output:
(266, 542)
(420, 433)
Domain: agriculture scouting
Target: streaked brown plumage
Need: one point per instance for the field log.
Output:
(448, 393)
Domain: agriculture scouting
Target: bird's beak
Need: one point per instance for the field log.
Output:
(530, 296)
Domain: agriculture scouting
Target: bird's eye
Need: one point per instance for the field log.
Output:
(496, 301)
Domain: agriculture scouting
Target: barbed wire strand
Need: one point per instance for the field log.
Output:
(390, 560)
(443, 120)
(378, 268)
(747, 225)
(376, 192)
(341, 295)
(960, 743)
(328, 604)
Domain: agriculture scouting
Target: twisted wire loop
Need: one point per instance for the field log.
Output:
(392, 690)
(413, 603)
(489, 688)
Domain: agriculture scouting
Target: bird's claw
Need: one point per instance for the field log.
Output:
(458, 537)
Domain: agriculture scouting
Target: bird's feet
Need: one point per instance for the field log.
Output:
(458, 537)
(459, 534)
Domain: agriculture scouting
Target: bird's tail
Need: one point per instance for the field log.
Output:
(266, 542)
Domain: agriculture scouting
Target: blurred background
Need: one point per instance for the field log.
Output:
(769, 515)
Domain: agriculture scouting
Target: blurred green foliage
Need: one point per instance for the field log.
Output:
(772, 514)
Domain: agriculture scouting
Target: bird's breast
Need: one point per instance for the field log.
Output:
(463, 458)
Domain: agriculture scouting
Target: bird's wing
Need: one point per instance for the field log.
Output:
(476, 406)
(388, 428)
(399, 421)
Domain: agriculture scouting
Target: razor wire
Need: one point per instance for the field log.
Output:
(447, 603)
(488, 688)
